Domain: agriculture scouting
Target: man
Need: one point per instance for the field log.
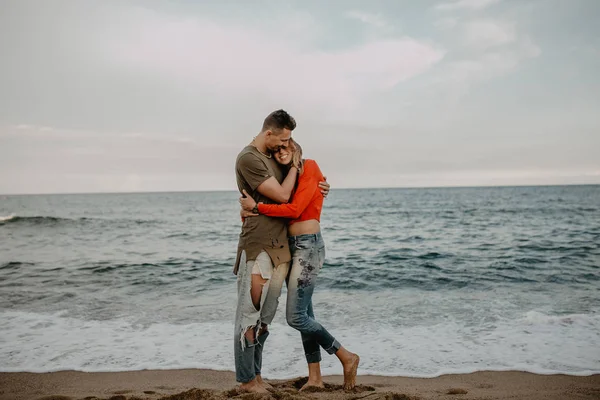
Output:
(263, 257)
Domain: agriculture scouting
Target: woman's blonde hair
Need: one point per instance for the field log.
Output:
(297, 156)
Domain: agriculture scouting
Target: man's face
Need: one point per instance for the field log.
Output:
(277, 139)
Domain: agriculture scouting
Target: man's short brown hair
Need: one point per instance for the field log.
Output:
(279, 120)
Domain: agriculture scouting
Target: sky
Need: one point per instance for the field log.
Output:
(132, 95)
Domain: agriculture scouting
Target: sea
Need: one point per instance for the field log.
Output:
(418, 282)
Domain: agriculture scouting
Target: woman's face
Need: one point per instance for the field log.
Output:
(284, 155)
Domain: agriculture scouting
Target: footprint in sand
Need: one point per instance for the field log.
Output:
(457, 391)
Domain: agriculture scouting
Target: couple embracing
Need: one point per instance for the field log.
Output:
(280, 242)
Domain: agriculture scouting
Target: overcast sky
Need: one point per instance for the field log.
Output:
(100, 96)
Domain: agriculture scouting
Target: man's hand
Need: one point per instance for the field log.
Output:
(246, 201)
(245, 214)
(324, 186)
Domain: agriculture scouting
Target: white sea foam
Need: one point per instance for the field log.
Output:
(6, 217)
(536, 343)
(534, 317)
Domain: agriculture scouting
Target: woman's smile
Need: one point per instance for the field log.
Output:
(283, 156)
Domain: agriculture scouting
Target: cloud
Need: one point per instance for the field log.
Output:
(368, 18)
(44, 132)
(483, 34)
(495, 47)
(465, 4)
(458, 76)
(48, 133)
(446, 23)
(482, 50)
(162, 97)
(234, 61)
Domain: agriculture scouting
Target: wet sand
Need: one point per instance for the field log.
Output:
(195, 384)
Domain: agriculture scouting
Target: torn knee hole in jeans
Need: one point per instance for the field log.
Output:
(258, 330)
(244, 339)
(263, 329)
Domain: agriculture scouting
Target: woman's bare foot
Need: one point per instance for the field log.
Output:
(310, 385)
(350, 369)
(252, 387)
(264, 384)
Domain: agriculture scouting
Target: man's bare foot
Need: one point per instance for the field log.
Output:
(252, 387)
(350, 369)
(308, 386)
(264, 384)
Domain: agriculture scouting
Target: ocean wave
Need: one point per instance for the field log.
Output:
(504, 278)
(536, 317)
(35, 220)
(14, 264)
(536, 343)
(572, 279)
(174, 271)
(554, 247)
(103, 267)
(531, 260)
(178, 235)
(433, 255)
(414, 238)
(47, 220)
(426, 277)
(6, 218)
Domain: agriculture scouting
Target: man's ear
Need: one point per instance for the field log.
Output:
(268, 132)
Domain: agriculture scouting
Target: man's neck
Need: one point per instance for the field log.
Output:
(259, 143)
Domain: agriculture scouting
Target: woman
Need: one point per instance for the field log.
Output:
(308, 254)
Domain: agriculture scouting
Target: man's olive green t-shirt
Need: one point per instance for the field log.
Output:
(260, 233)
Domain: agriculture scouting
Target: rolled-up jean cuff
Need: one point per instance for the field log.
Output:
(245, 380)
(313, 357)
(335, 346)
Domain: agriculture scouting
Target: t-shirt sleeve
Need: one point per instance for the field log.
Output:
(253, 170)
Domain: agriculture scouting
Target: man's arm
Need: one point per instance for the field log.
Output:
(256, 174)
(279, 193)
(254, 171)
(302, 198)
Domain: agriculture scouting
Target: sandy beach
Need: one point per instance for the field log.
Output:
(192, 384)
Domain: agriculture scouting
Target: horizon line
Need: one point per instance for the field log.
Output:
(342, 188)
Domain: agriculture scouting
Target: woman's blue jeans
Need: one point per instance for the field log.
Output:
(308, 256)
